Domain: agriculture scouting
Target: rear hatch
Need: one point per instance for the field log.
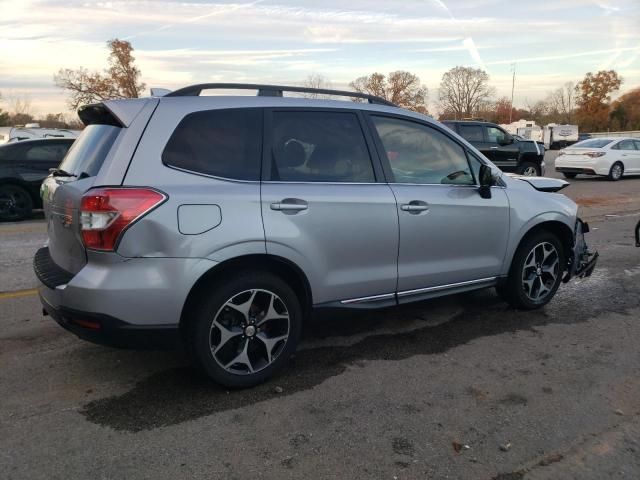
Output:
(62, 190)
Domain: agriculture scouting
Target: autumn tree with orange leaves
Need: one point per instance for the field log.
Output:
(593, 97)
(120, 80)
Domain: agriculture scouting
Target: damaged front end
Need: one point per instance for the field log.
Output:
(581, 261)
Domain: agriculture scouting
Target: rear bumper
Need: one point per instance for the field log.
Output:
(112, 332)
(577, 171)
(587, 166)
(112, 300)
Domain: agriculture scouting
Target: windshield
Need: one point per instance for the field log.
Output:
(88, 152)
(593, 143)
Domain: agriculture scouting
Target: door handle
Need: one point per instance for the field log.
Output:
(415, 206)
(494, 148)
(290, 205)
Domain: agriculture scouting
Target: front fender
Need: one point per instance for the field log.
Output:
(519, 231)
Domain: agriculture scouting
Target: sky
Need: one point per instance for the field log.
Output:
(178, 43)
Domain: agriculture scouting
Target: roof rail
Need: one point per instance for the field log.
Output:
(274, 91)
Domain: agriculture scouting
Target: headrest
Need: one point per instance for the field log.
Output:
(291, 155)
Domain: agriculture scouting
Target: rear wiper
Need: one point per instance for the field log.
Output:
(58, 172)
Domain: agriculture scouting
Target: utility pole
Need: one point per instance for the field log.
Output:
(513, 84)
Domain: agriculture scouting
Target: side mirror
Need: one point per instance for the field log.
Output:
(506, 140)
(486, 181)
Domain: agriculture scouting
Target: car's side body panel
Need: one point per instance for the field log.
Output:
(347, 242)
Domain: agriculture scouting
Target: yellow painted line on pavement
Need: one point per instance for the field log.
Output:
(18, 293)
(38, 229)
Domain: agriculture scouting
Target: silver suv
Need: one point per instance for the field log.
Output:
(221, 221)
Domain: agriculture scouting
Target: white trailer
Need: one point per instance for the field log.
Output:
(559, 136)
(531, 133)
(32, 131)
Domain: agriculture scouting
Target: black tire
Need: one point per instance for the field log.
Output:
(616, 171)
(201, 331)
(569, 175)
(513, 290)
(15, 203)
(528, 167)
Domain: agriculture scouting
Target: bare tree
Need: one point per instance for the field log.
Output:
(20, 105)
(563, 101)
(400, 87)
(120, 80)
(463, 90)
(316, 80)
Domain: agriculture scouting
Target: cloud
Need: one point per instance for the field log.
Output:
(179, 42)
(565, 56)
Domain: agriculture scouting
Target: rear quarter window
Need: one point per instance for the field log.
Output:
(222, 143)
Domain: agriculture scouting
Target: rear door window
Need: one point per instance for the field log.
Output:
(472, 133)
(87, 154)
(319, 147)
(222, 143)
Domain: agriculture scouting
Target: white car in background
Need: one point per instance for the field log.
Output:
(613, 157)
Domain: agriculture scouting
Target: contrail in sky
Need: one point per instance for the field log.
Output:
(195, 19)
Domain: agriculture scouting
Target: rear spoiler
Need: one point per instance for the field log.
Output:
(119, 113)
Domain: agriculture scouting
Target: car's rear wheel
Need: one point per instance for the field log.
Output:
(529, 169)
(616, 171)
(15, 203)
(536, 272)
(569, 175)
(245, 329)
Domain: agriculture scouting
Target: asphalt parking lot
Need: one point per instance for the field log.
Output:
(461, 387)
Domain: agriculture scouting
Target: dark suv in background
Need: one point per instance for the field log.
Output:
(525, 157)
(23, 166)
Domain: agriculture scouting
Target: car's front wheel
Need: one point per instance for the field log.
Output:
(245, 329)
(536, 272)
(529, 169)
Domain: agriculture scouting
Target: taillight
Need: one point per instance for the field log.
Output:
(107, 212)
(595, 154)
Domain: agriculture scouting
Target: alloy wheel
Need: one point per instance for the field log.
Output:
(616, 171)
(540, 272)
(249, 331)
(530, 172)
(13, 204)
